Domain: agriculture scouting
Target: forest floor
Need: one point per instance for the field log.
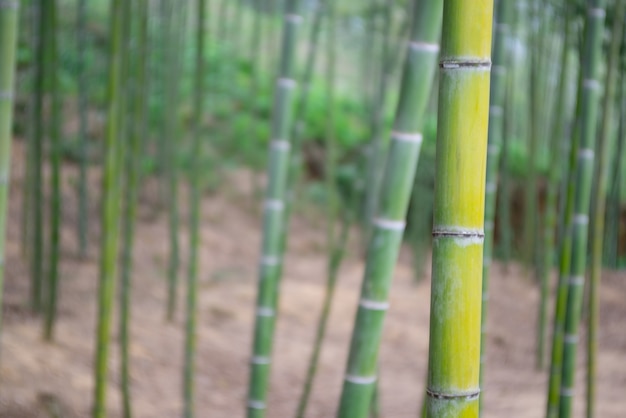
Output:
(37, 376)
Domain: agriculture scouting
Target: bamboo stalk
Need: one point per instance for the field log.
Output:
(194, 225)
(37, 255)
(9, 18)
(454, 353)
(605, 147)
(384, 243)
(83, 193)
(274, 224)
(591, 86)
(111, 209)
(49, 11)
(494, 147)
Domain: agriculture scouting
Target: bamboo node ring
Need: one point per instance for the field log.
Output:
(407, 137)
(254, 404)
(374, 305)
(6, 95)
(424, 46)
(453, 396)
(287, 83)
(478, 64)
(9, 4)
(265, 311)
(280, 144)
(260, 360)
(274, 204)
(570, 338)
(360, 380)
(389, 224)
(586, 153)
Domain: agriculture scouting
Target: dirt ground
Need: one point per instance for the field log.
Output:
(33, 372)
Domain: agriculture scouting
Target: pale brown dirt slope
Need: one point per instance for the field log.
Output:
(31, 369)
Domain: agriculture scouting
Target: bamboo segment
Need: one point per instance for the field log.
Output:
(9, 17)
(496, 130)
(454, 354)
(274, 224)
(605, 147)
(111, 211)
(194, 223)
(83, 193)
(554, 175)
(49, 11)
(388, 225)
(594, 29)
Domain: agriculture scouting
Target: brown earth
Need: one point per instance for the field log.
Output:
(36, 377)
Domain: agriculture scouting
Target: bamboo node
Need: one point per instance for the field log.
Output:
(495, 110)
(389, 224)
(570, 339)
(493, 149)
(472, 396)
(407, 137)
(274, 204)
(424, 46)
(270, 260)
(581, 219)
(360, 380)
(6, 95)
(567, 392)
(280, 145)
(9, 4)
(287, 83)
(374, 305)
(260, 360)
(498, 69)
(597, 12)
(592, 84)
(265, 311)
(586, 153)
(491, 187)
(456, 232)
(254, 404)
(452, 64)
(486, 263)
(488, 225)
(293, 18)
(576, 280)
(4, 178)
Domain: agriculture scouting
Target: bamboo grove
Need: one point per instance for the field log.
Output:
(482, 140)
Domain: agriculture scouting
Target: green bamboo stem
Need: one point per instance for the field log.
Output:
(384, 243)
(194, 222)
(173, 96)
(495, 133)
(49, 11)
(83, 193)
(274, 225)
(37, 254)
(605, 147)
(9, 17)
(557, 135)
(111, 210)
(565, 257)
(594, 28)
(137, 129)
(375, 152)
(454, 354)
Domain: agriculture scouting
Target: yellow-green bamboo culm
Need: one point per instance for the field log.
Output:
(389, 222)
(274, 223)
(194, 218)
(455, 308)
(110, 211)
(591, 89)
(605, 148)
(497, 105)
(9, 17)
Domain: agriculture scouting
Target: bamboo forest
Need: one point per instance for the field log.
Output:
(312, 208)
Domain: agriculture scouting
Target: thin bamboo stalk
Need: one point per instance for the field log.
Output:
(37, 255)
(83, 193)
(274, 224)
(454, 354)
(605, 147)
(50, 35)
(594, 28)
(557, 135)
(194, 223)
(111, 209)
(499, 83)
(384, 243)
(9, 17)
